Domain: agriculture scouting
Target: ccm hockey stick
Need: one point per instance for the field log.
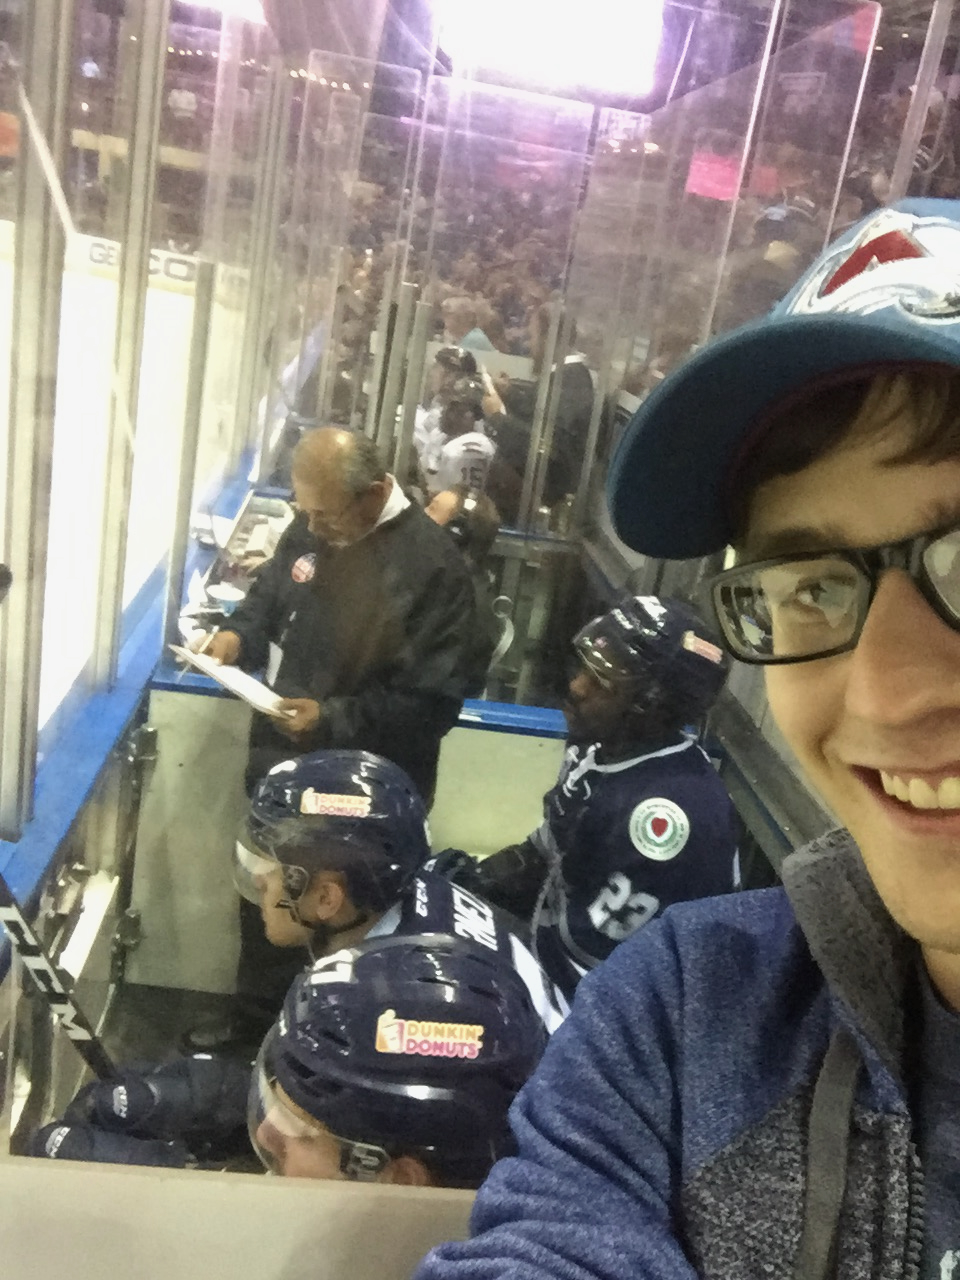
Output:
(31, 951)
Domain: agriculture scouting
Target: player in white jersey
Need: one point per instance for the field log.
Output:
(467, 451)
(450, 364)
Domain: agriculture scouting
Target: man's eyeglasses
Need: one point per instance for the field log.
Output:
(797, 607)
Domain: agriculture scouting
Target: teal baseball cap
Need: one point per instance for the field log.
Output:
(887, 293)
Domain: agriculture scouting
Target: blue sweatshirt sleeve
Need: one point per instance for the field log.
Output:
(592, 1192)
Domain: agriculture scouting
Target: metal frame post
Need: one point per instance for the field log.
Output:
(760, 98)
(917, 114)
(553, 407)
(386, 426)
(422, 319)
(192, 414)
(601, 391)
(382, 332)
(536, 428)
(128, 343)
(37, 279)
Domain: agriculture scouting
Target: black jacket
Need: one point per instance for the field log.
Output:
(511, 431)
(380, 633)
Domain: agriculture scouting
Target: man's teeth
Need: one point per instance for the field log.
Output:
(920, 794)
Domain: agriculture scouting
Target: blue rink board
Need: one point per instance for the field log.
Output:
(503, 717)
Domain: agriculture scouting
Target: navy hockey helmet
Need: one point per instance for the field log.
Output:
(338, 810)
(468, 392)
(661, 651)
(457, 360)
(409, 1045)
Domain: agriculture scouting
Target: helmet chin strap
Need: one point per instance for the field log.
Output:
(331, 930)
(321, 931)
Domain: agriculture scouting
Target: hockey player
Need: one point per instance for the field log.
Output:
(450, 364)
(396, 1062)
(638, 818)
(467, 451)
(335, 855)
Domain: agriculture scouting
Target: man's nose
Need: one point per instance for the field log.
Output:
(907, 661)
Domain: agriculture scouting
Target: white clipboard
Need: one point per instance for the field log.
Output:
(237, 682)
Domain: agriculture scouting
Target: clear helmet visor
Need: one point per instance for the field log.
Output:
(610, 662)
(290, 1143)
(253, 866)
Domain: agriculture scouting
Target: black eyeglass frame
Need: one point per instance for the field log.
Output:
(870, 562)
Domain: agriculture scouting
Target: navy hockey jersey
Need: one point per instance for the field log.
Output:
(432, 904)
(625, 840)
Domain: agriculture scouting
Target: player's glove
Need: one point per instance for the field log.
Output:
(201, 1101)
(61, 1141)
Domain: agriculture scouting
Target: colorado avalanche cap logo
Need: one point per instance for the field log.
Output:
(894, 259)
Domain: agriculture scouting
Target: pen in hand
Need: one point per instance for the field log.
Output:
(203, 648)
(208, 641)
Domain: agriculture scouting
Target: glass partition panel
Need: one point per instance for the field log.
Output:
(98, 131)
(931, 167)
(344, 210)
(235, 182)
(791, 201)
(10, 143)
(723, 171)
(186, 131)
(695, 156)
(503, 207)
(373, 248)
(596, 293)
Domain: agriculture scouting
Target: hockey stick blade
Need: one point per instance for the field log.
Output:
(41, 968)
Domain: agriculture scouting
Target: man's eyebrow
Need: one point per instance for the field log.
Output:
(939, 514)
(785, 542)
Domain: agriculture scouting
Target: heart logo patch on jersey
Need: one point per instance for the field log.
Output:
(659, 829)
(304, 568)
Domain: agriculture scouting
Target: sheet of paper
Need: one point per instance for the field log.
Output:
(222, 528)
(235, 681)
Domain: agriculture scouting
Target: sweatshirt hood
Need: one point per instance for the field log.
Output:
(867, 959)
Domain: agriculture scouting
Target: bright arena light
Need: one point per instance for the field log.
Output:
(606, 44)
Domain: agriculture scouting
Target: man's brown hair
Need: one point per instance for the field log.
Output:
(869, 405)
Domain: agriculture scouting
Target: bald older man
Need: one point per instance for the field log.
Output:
(364, 620)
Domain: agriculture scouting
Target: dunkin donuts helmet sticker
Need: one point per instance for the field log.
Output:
(427, 1039)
